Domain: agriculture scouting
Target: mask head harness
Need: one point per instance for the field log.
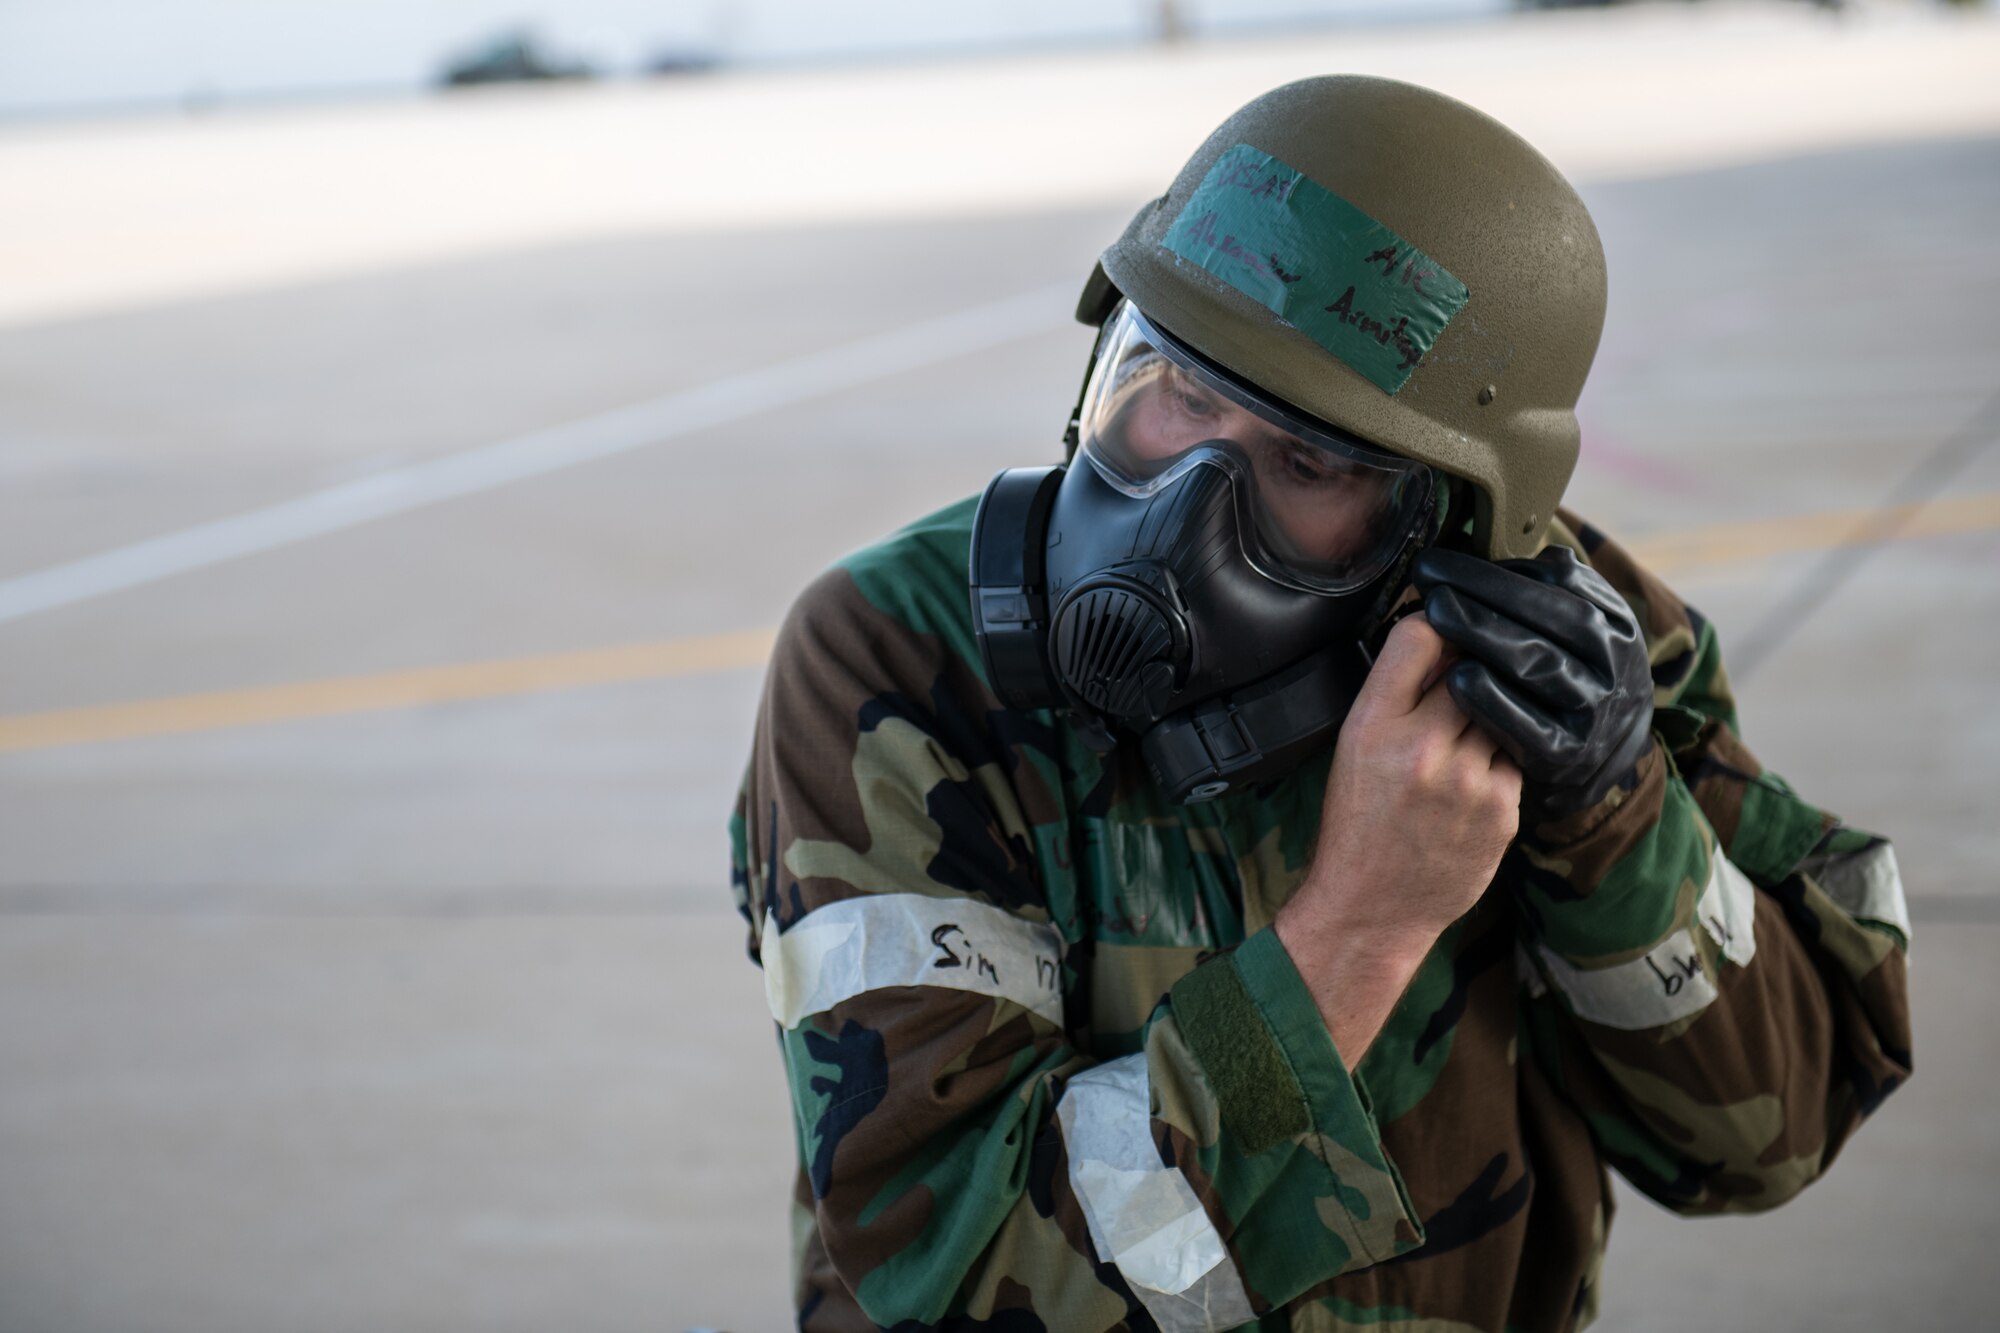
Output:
(1203, 572)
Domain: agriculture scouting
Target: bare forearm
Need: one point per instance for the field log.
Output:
(1375, 898)
(1355, 973)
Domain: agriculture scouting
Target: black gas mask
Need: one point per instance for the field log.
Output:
(1203, 572)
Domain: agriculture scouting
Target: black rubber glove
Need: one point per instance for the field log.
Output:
(1553, 666)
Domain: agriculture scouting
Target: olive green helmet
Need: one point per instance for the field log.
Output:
(1395, 263)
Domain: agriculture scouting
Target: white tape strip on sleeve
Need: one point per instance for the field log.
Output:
(1143, 1215)
(1728, 910)
(856, 945)
(1867, 885)
(1669, 981)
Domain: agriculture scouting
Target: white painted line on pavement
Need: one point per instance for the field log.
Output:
(539, 452)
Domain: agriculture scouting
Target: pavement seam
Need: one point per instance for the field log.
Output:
(1917, 488)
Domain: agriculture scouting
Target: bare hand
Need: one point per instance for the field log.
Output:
(1420, 806)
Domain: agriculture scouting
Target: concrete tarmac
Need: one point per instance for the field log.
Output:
(436, 1017)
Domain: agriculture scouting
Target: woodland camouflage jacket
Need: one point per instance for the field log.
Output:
(1051, 1068)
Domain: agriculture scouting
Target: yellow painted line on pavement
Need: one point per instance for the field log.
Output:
(1757, 538)
(667, 658)
(394, 689)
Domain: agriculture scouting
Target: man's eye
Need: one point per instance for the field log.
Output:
(1302, 466)
(1195, 404)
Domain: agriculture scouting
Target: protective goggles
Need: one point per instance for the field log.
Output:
(1325, 511)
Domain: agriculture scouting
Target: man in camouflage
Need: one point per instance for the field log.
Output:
(1352, 1047)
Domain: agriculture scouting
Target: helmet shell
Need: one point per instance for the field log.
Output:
(1493, 400)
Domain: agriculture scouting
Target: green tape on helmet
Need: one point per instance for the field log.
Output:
(1319, 263)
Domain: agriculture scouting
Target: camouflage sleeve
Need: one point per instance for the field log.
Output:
(962, 1157)
(1719, 965)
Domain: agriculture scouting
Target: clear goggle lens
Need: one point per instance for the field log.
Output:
(1329, 512)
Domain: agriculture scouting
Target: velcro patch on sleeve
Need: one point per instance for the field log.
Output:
(1319, 263)
(856, 945)
(1259, 1095)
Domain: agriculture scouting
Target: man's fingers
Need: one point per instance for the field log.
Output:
(1473, 738)
(1438, 711)
(1395, 685)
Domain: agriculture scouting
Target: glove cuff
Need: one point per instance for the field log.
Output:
(1566, 813)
